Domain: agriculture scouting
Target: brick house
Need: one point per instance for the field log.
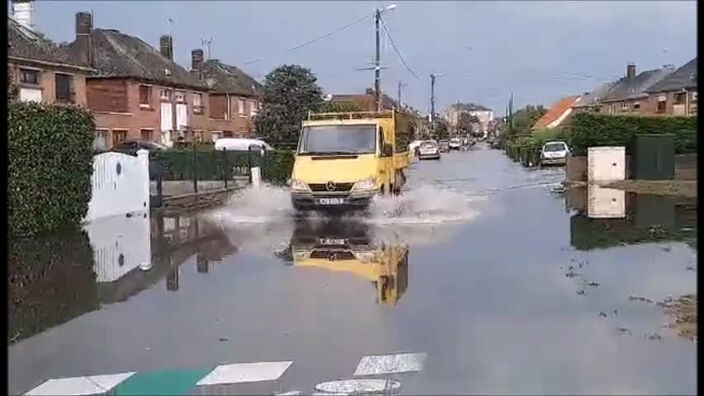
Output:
(591, 101)
(42, 71)
(233, 99)
(676, 94)
(136, 91)
(628, 95)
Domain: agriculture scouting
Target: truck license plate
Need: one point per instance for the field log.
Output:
(331, 201)
(331, 241)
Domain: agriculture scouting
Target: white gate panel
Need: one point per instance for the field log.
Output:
(120, 185)
(120, 244)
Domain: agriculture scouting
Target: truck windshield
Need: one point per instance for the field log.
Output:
(338, 139)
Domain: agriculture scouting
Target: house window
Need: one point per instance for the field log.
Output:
(146, 134)
(100, 140)
(28, 76)
(118, 136)
(145, 96)
(198, 103)
(64, 87)
(180, 96)
(680, 97)
(227, 134)
(662, 106)
(636, 105)
(253, 108)
(624, 106)
(240, 106)
(165, 94)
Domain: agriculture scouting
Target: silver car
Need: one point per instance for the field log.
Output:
(554, 153)
(429, 150)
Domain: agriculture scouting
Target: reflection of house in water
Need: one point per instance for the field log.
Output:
(55, 279)
(346, 247)
(608, 217)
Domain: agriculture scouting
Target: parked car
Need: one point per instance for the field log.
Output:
(554, 153)
(132, 146)
(239, 144)
(429, 149)
(455, 144)
(444, 146)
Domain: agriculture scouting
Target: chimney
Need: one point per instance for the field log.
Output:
(22, 12)
(196, 59)
(84, 26)
(166, 46)
(631, 71)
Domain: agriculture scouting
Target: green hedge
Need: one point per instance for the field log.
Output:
(526, 148)
(50, 163)
(217, 165)
(587, 130)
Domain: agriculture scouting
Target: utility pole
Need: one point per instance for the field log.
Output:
(432, 101)
(377, 64)
(400, 85)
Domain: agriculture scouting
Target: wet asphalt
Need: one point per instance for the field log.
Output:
(503, 281)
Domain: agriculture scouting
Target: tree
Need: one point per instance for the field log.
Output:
(465, 122)
(442, 129)
(290, 92)
(526, 117)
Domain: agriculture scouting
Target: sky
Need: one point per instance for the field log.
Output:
(539, 51)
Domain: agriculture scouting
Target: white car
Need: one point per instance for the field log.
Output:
(554, 153)
(455, 144)
(240, 144)
(429, 150)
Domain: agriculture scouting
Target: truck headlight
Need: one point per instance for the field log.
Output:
(366, 184)
(298, 185)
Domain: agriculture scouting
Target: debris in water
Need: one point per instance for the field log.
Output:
(592, 284)
(615, 312)
(654, 336)
(581, 292)
(667, 249)
(624, 330)
(683, 313)
(602, 314)
(642, 299)
(690, 268)
(224, 339)
(571, 274)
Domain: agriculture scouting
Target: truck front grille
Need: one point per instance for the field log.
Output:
(322, 187)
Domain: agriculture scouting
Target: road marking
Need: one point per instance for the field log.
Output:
(245, 372)
(80, 385)
(390, 364)
(170, 382)
(358, 386)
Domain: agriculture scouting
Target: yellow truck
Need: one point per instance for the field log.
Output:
(344, 159)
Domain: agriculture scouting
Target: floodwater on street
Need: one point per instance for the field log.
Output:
(492, 277)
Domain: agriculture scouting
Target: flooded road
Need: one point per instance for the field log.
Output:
(482, 276)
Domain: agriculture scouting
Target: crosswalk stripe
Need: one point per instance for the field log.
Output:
(390, 364)
(245, 372)
(80, 385)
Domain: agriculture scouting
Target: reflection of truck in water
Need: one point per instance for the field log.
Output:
(347, 247)
(344, 159)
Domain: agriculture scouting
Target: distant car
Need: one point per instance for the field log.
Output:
(429, 149)
(413, 147)
(132, 146)
(444, 146)
(455, 144)
(239, 144)
(554, 153)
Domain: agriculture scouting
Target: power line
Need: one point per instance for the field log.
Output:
(329, 34)
(326, 35)
(393, 44)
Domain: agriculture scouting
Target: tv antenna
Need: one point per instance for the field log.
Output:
(206, 44)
